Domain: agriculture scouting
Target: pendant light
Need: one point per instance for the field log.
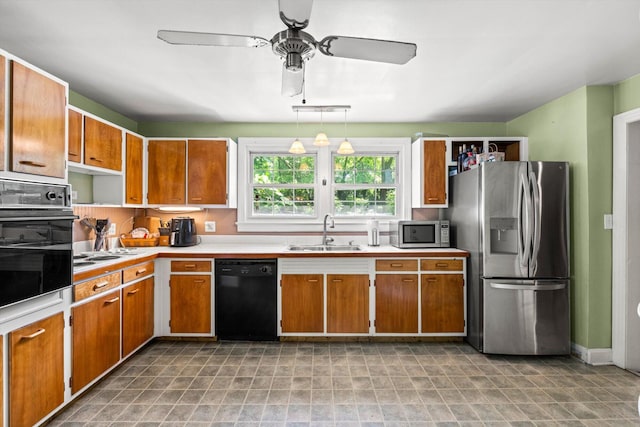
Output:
(345, 146)
(296, 145)
(321, 138)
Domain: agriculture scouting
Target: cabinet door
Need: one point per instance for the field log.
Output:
(38, 123)
(102, 145)
(96, 339)
(434, 169)
(207, 168)
(347, 303)
(75, 136)
(190, 303)
(166, 175)
(397, 303)
(137, 315)
(36, 365)
(3, 106)
(442, 304)
(302, 303)
(133, 170)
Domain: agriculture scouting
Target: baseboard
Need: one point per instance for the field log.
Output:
(593, 356)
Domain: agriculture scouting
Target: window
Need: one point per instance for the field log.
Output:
(289, 192)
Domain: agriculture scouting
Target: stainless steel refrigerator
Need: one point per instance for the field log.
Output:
(513, 218)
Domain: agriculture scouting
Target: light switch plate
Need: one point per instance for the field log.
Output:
(210, 226)
(112, 229)
(608, 221)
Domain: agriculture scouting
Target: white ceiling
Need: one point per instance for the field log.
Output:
(477, 60)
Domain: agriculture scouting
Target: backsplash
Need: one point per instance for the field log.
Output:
(122, 217)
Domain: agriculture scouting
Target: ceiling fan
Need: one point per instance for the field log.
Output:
(295, 46)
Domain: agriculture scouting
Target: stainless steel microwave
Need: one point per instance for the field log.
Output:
(419, 234)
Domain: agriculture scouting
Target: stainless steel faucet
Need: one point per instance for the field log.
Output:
(326, 240)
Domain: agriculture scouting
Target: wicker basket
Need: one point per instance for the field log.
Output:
(131, 242)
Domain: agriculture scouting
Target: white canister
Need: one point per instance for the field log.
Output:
(373, 232)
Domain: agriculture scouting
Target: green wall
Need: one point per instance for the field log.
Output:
(235, 130)
(101, 111)
(627, 95)
(578, 128)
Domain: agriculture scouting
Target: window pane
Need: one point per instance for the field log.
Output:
(364, 169)
(365, 202)
(283, 169)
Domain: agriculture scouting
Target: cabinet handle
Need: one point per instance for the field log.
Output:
(134, 198)
(100, 285)
(312, 280)
(442, 265)
(432, 199)
(141, 271)
(189, 266)
(32, 163)
(196, 199)
(95, 159)
(111, 301)
(431, 280)
(407, 280)
(396, 264)
(33, 335)
(135, 291)
(336, 280)
(72, 153)
(198, 281)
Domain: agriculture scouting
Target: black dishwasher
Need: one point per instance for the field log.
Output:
(246, 299)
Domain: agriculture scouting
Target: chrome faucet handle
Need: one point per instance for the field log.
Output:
(328, 240)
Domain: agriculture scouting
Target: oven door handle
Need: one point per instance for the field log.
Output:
(38, 218)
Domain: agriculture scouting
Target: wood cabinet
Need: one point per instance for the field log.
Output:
(207, 172)
(137, 315)
(95, 286)
(434, 170)
(74, 153)
(190, 303)
(348, 303)
(38, 123)
(36, 370)
(95, 338)
(166, 172)
(3, 109)
(442, 305)
(102, 144)
(302, 303)
(396, 303)
(134, 170)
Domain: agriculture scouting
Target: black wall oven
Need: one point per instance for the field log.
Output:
(36, 240)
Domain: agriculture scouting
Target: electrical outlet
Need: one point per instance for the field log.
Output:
(74, 195)
(112, 229)
(210, 226)
(608, 222)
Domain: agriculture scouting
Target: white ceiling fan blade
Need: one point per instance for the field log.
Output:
(292, 81)
(368, 49)
(295, 13)
(211, 39)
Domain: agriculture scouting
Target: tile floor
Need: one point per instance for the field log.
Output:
(274, 384)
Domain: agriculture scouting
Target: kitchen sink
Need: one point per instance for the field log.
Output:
(324, 248)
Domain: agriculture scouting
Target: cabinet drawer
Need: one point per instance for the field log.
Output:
(95, 286)
(198, 266)
(397, 265)
(137, 271)
(441, 265)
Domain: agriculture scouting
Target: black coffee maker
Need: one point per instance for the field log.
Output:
(183, 232)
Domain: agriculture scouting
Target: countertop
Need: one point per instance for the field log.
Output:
(137, 255)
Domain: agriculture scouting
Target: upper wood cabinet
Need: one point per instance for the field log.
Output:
(134, 170)
(75, 136)
(102, 144)
(207, 172)
(166, 175)
(3, 106)
(429, 169)
(38, 123)
(36, 370)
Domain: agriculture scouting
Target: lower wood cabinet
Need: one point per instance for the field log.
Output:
(96, 338)
(396, 303)
(190, 303)
(36, 370)
(302, 303)
(442, 305)
(348, 303)
(137, 314)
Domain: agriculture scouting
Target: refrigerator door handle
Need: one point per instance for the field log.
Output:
(524, 224)
(540, 287)
(536, 208)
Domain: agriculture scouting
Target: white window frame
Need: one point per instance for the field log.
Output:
(324, 193)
